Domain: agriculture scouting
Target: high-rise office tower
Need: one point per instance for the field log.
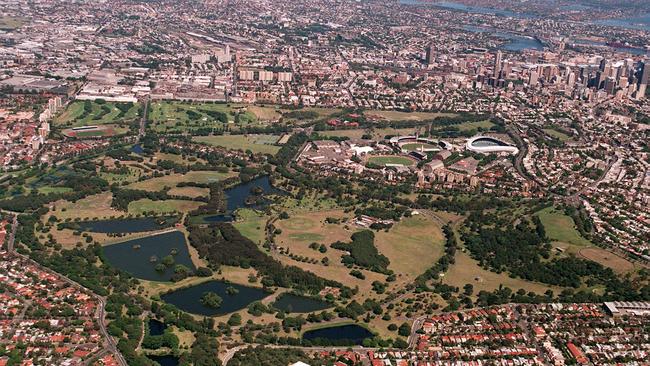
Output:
(497, 64)
(430, 55)
(644, 78)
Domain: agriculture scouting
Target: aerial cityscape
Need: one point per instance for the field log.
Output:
(324, 182)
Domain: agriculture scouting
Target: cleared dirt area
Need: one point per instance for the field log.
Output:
(608, 259)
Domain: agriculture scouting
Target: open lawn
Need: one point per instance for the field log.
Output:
(147, 205)
(407, 116)
(557, 134)
(179, 159)
(474, 125)
(251, 224)
(265, 113)
(98, 205)
(256, 143)
(105, 130)
(561, 228)
(391, 160)
(190, 191)
(413, 147)
(181, 117)
(158, 183)
(466, 270)
(413, 245)
(84, 113)
(302, 228)
(8, 23)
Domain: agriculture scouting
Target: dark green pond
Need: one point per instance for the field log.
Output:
(156, 327)
(240, 196)
(134, 256)
(126, 226)
(167, 360)
(189, 299)
(291, 303)
(342, 334)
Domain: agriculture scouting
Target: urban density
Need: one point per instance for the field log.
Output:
(324, 182)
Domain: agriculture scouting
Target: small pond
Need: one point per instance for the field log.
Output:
(167, 360)
(340, 334)
(291, 303)
(156, 327)
(239, 197)
(189, 299)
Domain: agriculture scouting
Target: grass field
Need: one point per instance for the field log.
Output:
(158, 183)
(386, 160)
(50, 189)
(466, 270)
(98, 205)
(413, 245)
(256, 143)
(561, 228)
(190, 191)
(183, 116)
(8, 23)
(557, 134)
(265, 113)
(251, 224)
(75, 114)
(302, 228)
(413, 147)
(407, 116)
(105, 130)
(147, 205)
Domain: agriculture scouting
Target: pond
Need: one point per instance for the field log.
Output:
(127, 226)
(156, 327)
(139, 257)
(291, 303)
(340, 334)
(189, 299)
(137, 149)
(238, 197)
(167, 360)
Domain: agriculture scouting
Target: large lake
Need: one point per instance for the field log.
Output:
(291, 303)
(237, 196)
(341, 334)
(189, 299)
(134, 256)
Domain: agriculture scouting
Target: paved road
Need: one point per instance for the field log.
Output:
(143, 120)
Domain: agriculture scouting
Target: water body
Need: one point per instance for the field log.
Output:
(167, 360)
(188, 299)
(641, 22)
(156, 327)
(137, 261)
(237, 196)
(137, 149)
(516, 42)
(342, 334)
(291, 303)
(481, 10)
(127, 226)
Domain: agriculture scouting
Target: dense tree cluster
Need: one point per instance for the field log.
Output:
(363, 252)
(223, 244)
